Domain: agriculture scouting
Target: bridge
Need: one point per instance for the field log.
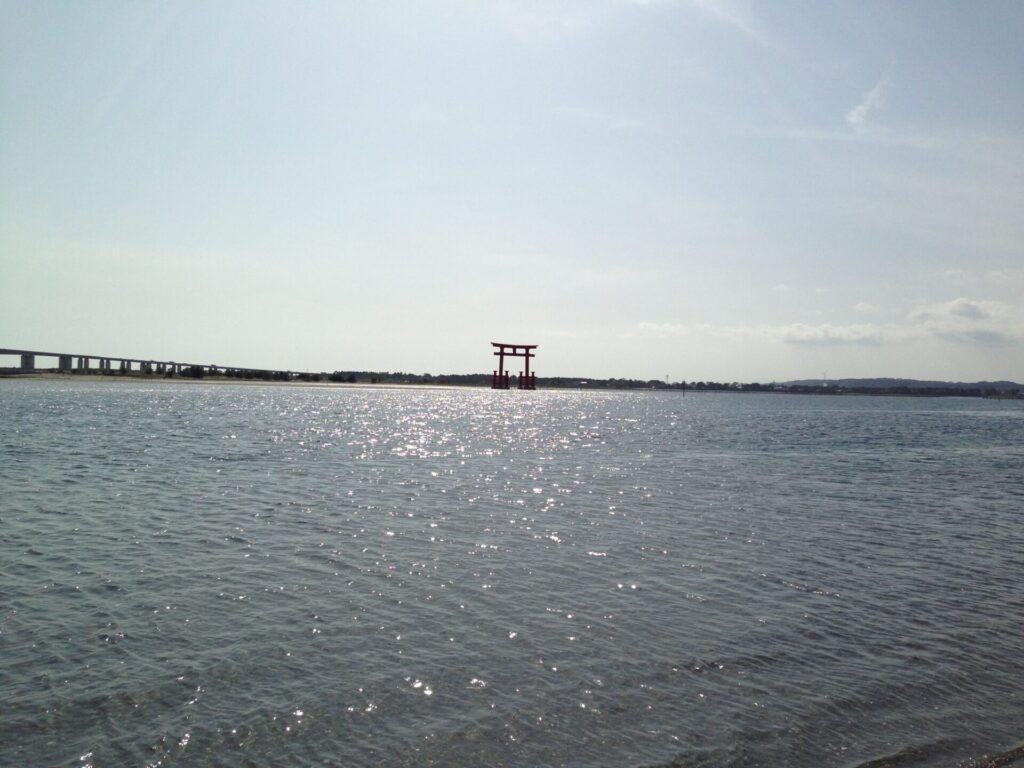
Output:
(73, 362)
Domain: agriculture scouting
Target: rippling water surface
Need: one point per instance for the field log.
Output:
(197, 575)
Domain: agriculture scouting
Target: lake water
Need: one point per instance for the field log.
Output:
(201, 575)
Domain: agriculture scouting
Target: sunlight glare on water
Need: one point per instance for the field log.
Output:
(216, 574)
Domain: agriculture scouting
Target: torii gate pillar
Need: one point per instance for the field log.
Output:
(527, 380)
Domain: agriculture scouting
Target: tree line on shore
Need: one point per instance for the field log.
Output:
(906, 387)
(937, 389)
(993, 390)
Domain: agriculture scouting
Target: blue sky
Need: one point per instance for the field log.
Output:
(703, 189)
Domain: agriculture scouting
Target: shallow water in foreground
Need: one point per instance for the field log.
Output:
(241, 575)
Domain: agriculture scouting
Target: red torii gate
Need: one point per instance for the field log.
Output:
(527, 380)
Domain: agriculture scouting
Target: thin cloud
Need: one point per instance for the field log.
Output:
(740, 19)
(615, 276)
(956, 275)
(873, 100)
(859, 119)
(961, 320)
(604, 120)
(908, 139)
(793, 333)
(863, 306)
(548, 21)
(161, 20)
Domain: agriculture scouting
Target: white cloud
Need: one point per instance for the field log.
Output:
(826, 333)
(968, 320)
(873, 100)
(1005, 276)
(863, 306)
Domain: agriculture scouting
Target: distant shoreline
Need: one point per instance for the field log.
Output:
(592, 385)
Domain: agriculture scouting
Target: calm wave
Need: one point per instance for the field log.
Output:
(201, 575)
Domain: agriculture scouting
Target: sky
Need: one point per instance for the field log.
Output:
(691, 189)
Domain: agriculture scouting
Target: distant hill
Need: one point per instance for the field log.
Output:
(1001, 386)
